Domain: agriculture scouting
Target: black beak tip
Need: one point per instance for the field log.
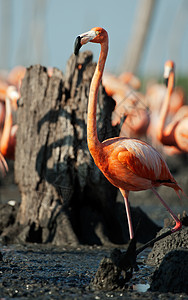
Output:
(166, 81)
(77, 45)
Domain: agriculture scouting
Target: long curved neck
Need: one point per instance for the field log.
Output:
(165, 107)
(92, 138)
(7, 128)
(2, 93)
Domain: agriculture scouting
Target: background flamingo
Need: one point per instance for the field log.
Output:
(14, 79)
(176, 132)
(16, 76)
(129, 164)
(154, 98)
(130, 79)
(9, 94)
(8, 138)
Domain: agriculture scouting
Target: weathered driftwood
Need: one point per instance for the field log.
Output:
(65, 199)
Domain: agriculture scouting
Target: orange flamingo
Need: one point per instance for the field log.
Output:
(175, 134)
(8, 138)
(129, 164)
(154, 100)
(130, 79)
(3, 88)
(3, 92)
(2, 115)
(16, 76)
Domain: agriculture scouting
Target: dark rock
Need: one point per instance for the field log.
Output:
(7, 215)
(172, 274)
(161, 248)
(114, 272)
(108, 276)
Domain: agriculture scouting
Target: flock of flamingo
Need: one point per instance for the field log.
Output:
(10, 85)
(159, 116)
(9, 94)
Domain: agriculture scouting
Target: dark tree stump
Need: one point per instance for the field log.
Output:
(65, 199)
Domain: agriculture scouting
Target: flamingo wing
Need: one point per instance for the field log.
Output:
(144, 161)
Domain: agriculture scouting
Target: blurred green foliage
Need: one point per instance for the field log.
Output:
(183, 82)
(180, 81)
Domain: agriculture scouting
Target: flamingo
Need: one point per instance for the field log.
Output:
(130, 79)
(129, 164)
(3, 92)
(3, 88)
(154, 100)
(8, 138)
(2, 115)
(16, 76)
(175, 134)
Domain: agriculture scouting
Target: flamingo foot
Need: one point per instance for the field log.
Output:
(177, 227)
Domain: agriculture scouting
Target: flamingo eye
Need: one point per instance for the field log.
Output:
(97, 32)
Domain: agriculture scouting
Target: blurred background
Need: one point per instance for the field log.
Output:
(143, 33)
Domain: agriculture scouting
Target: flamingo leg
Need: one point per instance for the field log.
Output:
(178, 222)
(3, 164)
(127, 206)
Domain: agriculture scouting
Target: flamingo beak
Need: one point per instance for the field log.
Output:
(77, 45)
(14, 95)
(166, 81)
(167, 71)
(15, 98)
(82, 39)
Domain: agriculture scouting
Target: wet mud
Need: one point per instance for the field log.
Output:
(45, 272)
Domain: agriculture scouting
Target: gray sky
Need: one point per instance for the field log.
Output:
(43, 31)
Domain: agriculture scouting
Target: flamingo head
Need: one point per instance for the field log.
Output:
(168, 68)
(13, 94)
(95, 35)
